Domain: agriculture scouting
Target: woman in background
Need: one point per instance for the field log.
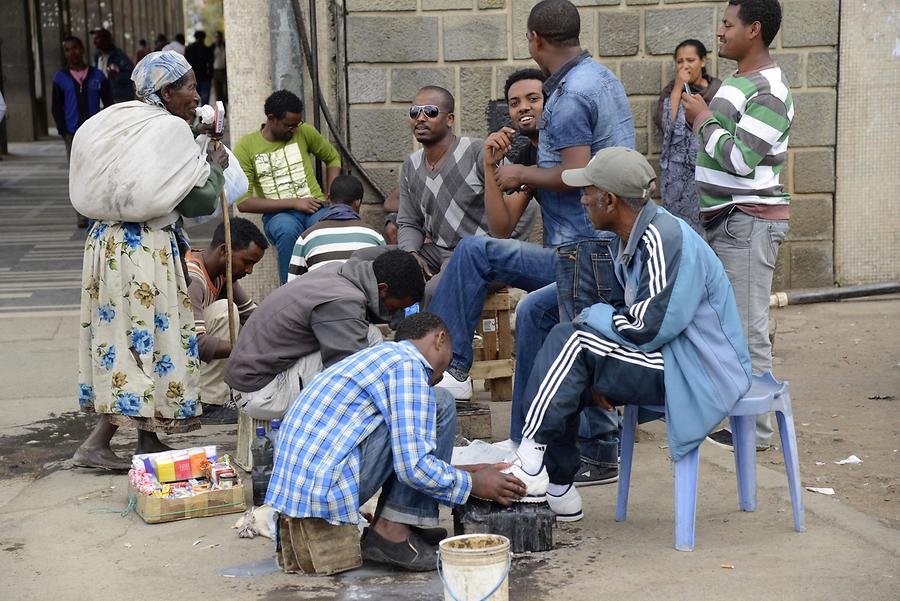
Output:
(679, 144)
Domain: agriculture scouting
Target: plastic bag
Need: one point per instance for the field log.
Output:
(236, 184)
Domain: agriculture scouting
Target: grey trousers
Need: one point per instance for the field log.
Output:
(748, 248)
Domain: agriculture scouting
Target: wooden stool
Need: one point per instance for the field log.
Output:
(493, 361)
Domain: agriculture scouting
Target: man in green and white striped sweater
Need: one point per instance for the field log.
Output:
(744, 208)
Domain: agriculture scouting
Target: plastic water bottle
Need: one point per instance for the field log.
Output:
(274, 426)
(262, 452)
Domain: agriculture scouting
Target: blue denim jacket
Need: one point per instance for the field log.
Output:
(586, 107)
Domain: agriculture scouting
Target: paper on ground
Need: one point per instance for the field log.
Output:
(821, 491)
(479, 452)
(851, 460)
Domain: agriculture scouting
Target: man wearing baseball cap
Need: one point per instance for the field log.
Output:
(677, 339)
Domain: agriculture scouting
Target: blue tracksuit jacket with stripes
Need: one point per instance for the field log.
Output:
(678, 301)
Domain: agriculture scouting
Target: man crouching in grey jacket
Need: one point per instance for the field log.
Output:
(314, 321)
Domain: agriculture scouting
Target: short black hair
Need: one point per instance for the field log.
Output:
(199, 35)
(557, 21)
(142, 42)
(522, 75)
(402, 274)
(449, 100)
(179, 37)
(420, 325)
(346, 189)
(72, 38)
(243, 232)
(282, 102)
(767, 12)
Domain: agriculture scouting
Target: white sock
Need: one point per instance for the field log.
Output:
(531, 454)
(557, 490)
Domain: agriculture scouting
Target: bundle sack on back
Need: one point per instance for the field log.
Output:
(134, 161)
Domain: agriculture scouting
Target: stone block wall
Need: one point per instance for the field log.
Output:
(470, 46)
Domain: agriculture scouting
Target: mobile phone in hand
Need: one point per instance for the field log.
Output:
(687, 89)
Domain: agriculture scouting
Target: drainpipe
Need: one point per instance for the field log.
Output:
(821, 295)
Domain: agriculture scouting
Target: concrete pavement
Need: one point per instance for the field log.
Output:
(59, 538)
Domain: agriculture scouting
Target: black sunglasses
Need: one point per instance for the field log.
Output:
(431, 111)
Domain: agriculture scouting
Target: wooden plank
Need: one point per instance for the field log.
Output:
(501, 389)
(498, 301)
(487, 327)
(489, 370)
(505, 342)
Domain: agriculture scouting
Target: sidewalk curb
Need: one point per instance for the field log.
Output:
(828, 509)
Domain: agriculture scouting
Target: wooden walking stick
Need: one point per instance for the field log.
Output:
(229, 286)
(219, 129)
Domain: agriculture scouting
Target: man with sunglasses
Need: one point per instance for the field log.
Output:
(442, 188)
(278, 163)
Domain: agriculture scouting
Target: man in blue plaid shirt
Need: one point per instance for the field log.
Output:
(373, 421)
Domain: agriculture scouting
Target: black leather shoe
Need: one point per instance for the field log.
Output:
(413, 554)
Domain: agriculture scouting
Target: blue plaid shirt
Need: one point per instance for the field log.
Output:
(317, 457)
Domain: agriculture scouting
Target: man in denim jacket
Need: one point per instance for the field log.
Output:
(585, 110)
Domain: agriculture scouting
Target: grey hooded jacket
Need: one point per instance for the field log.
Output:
(327, 310)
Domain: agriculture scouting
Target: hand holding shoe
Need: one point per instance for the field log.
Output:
(489, 483)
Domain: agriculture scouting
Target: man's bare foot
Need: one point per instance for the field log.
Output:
(102, 458)
(148, 442)
(394, 532)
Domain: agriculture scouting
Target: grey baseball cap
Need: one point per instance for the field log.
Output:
(622, 171)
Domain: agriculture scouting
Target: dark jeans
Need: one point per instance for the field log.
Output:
(585, 276)
(402, 502)
(573, 358)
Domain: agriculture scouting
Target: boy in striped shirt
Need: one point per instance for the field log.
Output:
(744, 208)
(338, 234)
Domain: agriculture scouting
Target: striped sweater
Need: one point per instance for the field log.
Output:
(743, 144)
(329, 241)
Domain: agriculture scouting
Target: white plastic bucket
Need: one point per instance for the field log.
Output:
(475, 567)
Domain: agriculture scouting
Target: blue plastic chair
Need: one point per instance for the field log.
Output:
(766, 394)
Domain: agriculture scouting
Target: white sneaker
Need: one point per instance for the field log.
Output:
(567, 506)
(535, 485)
(461, 391)
(508, 446)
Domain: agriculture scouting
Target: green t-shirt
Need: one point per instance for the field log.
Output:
(284, 169)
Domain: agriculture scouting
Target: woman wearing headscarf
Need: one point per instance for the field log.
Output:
(136, 170)
(678, 152)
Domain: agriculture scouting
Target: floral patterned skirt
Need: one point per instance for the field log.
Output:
(138, 359)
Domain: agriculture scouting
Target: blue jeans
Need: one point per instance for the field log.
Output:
(477, 262)
(402, 503)
(573, 358)
(585, 276)
(598, 430)
(283, 228)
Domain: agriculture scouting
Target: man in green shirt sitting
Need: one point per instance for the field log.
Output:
(278, 163)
